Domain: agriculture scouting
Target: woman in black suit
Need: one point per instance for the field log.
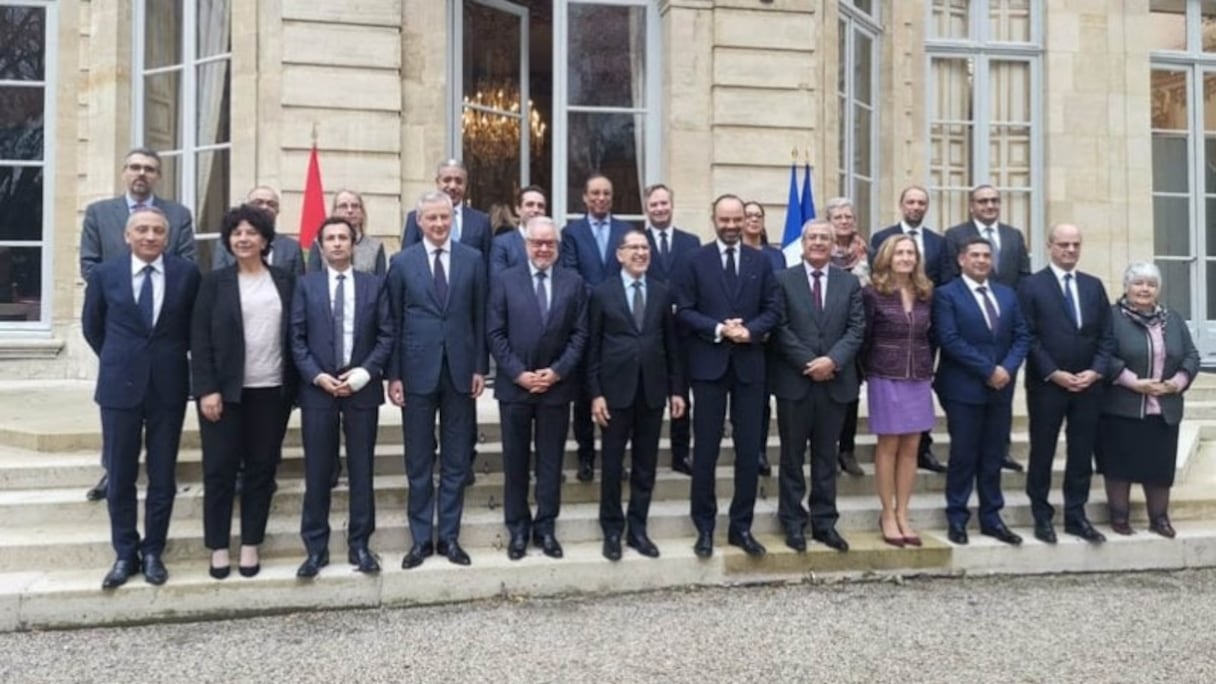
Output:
(245, 383)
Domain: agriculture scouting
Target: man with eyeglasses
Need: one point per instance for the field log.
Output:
(284, 250)
(105, 221)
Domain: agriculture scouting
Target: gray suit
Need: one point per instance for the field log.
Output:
(105, 220)
(808, 410)
(1014, 262)
(285, 253)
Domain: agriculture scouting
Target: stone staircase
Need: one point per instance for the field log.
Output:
(54, 545)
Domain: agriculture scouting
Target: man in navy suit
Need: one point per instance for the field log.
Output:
(633, 368)
(983, 339)
(588, 248)
(1072, 341)
(338, 310)
(508, 249)
(103, 236)
(669, 245)
(726, 296)
(437, 290)
(285, 250)
(469, 226)
(913, 205)
(537, 328)
(136, 318)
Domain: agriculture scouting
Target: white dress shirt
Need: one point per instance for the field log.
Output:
(823, 281)
(445, 258)
(919, 237)
(348, 310)
(979, 298)
(995, 238)
(1059, 273)
(158, 282)
(548, 284)
(457, 223)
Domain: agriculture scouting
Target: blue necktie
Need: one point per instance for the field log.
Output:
(146, 309)
(601, 238)
(542, 296)
(1069, 300)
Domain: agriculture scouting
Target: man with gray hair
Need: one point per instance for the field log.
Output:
(469, 226)
(285, 250)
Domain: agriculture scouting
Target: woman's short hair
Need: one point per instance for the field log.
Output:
(1141, 270)
(261, 221)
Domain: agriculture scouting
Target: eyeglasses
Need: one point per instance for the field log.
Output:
(542, 244)
(988, 200)
(142, 168)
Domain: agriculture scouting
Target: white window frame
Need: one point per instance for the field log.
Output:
(41, 327)
(856, 21)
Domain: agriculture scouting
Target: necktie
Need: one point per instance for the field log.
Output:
(456, 226)
(1070, 301)
(990, 235)
(138, 206)
(441, 279)
(639, 304)
(601, 238)
(994, 319)
(817, 290)
(732, 275)
(915, 235)
(145, 302)
(664, 249)
(542, 296)
(340, 321)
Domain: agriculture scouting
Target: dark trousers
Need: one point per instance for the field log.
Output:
(584, 429)
(847, 441)
(320, 428)
(159, 425)
(456, 409)
(640, 425)
(521, 423)
(248, 436)
(1048, 406)
(816, 419)
(680, 431)
(746, 405)
(977, 447)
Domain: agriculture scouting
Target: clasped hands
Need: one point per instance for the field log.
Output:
(396, 390)
(820, 369)
(599, 409)
(538, 381)
(734, 330)
(1075, 382)
(1156, 388)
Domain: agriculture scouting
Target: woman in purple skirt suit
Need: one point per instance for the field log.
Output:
(898, 365)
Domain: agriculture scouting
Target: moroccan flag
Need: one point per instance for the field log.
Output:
(313, 211)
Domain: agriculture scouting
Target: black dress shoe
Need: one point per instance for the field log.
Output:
(848, 463)
(1083, 529)
(957, 534)
(1161, 525)
(766, 470)
(120, 573)
(549, 545)
(744, 540)
(1001, 533)
(832, 539)
(451, 550)
(470, 478)
(98, 491)
(312, 565)
(249, 570)
(704, 547)
(364, 561)
(642, 544)
(586, 472)
(682, 465)
(417, 554)
(518, 547)
(1010, 464)
(154, 569)
(796, 541)
(612, 547)
(219, 573)
(925, 460)
(1044, 532)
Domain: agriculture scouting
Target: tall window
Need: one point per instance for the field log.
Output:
(857, 81)
(184, 61)
(984, 108)
(26, 97)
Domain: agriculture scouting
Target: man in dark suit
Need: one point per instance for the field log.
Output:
(983, 339)
(103, 235)
(537, 329)
(913, 205)
(508, 249)
(437, 291)
(338, 310)
(633, 368)
(469, 226)
(136, 318)
(669, 245)
(813, 373)
(727, 297)
(285, 250)
(1072, 341)
(588, 245)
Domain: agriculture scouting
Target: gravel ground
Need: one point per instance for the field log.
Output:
(1149, 627)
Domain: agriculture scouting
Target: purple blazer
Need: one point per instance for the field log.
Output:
(896, 344)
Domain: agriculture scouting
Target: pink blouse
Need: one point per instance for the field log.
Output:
(1156, 340)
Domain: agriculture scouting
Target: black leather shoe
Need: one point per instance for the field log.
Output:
(451, 550)
(249, 570)
(154, 569)
(1083, 529)
(744, 540)
(612, 547)
(586, 472)
(925, 460)
(98, 492)
(120, 573)
(518, 547)
(642, 544)
(549, 545)
(832, 539)
(470, 478)
(1001, 533)
(848, 464)
(417, 554)
(766, 470)
(1161, 525)
(219, 573)
(796, 541)
(957, 534)
(1044, 532)
(312, 565)
(704, 547)
(682, 465)
(1010, 464)
(364, 561)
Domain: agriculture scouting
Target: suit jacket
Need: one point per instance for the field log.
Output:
(127, 350)
(507, 251)
(804, 334)
(1015, 260)
(217, 335)
(620, 356)
(520, 341)
(1056, 342)
(312, 338)
(285, 253)
(969, 351)
(935, 250)
(681, 244)
(703, 300)
(1133, 352)
(101, 237)
(429, 330)
(581, 253)
(475, 231)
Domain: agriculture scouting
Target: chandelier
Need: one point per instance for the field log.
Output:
(490, 124)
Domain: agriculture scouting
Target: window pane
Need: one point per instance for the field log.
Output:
(491, 57)
(842, 141)
(1171, 226)
(950, 155)
(22, 43)
(610, 144)
(952, 81)
(213, 33)
(1169, 100)
(170, 179)
(861, 206)
(862, 129)
(951, 19)
(1211, 229)
(606, 63)
(491, 152)
(211, 200)
(213, 93)
(1009, 156)
(1009, 95)
(21, 122)
(1167, 28)
(21, 275)
(866, 6)
(1209, 149)
(1009, 20)
(863, 68)
(1176, 286)
(842, 59)
(162, 33)
(20, 204)
(1015, 210)
(947, 208)
(1169, 164)
(162, 116)
(1210, 281)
